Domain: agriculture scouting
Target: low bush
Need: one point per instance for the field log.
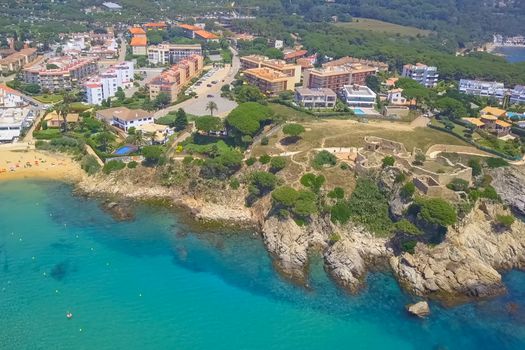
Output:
(113, 165)
(132, 164)
(265, 159)
(324, 158)
(496, 163)
(90, 164)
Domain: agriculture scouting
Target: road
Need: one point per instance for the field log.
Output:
(197, 106)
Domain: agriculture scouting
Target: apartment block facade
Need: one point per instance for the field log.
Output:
(271, 82)
(315, 98)
(482, 88)
(423, 74)
(106, 84)
(257, 61)
(172, 53)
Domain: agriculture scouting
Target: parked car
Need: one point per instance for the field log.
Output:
(210, 96)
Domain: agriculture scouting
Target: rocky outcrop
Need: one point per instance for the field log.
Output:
(420, 309)
(349, 259)
(119, 211)
(288, 243)
(509, 182)
(466, 264)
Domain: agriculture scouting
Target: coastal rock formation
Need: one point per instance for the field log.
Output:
(349, 259)
(466, 264)
(119, 211)
(288, 243)
(509, 182)
(420, 309)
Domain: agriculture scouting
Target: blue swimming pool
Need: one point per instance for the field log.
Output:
(358, 111)
(125, 150)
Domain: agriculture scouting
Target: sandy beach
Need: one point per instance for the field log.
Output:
(20, 163)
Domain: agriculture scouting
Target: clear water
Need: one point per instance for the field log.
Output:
(358, 111)
(154, 284)
(125, 150)
(512, 54)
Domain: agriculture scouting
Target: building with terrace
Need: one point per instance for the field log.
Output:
(423, 74)
(17, 60)
(258, 61)
(270, 81)
(107, 83)
(172, 53)
(315, 98)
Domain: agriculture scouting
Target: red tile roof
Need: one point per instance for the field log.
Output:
(136, 30)
(155, 25)
(190, 27)
(295, 54)
(206, 35)
(139, 41)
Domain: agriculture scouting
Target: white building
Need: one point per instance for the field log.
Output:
(315, 98)
(10, 98)
(106, 84)
(423, 74)
(517, 95)
(13, 121)
(172, 53)
(358, 96)
(125, 118)
(482, 88)
(395, 97)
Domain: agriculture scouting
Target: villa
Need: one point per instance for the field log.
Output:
(13, 121)
(358, 96)
(54, 120)
(10, 98)
(125, 118)
(491, 124)
(315, 98)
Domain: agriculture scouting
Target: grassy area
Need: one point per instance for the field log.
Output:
(49, 98)
(374, 25)
(288, 113)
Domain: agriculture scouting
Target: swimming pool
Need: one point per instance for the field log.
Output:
(358, 111)
(125, 150)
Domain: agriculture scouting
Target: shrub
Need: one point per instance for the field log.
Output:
(419, 159)
(293, 130)
(89, 164)
(337, 193)
(505, 221)
(312, 181)
(132, 164)
(152, 154)
(277, 164)
(340, 213)
(265, 159)
(388, 161)
(234, 184)
(324, 158)
(265, 141)
(436, 211)
(405, 226)
(490, 193)
(475, 165)
(187, 160)
(409, 246)
(496, 162)
(400, 178)
(113, 165)
(263, 181)
(344, 166)
(458, 185)
(285, 196)
(408, 190)
(250, 161)
(305, 204)
(334, 238)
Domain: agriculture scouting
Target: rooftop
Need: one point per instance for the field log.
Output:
(359, 90)
(139, 41)
(64, 64)
(112, 5)
(206, 35)
(498, 112)
(475, 121)
(189, 27)
(315, 92)
(295, 54)
(155, 25)
(4, 89)
(267, 74)
(124, 113)
(18, 55)
(136, 30)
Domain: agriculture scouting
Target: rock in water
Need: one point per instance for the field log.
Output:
(419, 309)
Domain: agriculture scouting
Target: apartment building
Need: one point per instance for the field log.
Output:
(423, 74)
(336, 77)
(13, 121)
(315, 98)
(358, 96)
(270, 81)
(139, 41)
(258, 61)
(347, 60)
(106, 84)
(517, 95)
(10, 98)
(60, 73)
(480, 88)
(172, 53)
(17, 60)
(196, 32)
(172, 80)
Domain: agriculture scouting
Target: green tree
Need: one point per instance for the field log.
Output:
(337, 193)
(277, 164)
(212, 107)
(373, 82)
(263, 181)
(181, 120)
(475, 165)
(102, 139)
(324, 158)
(208, 124)
(120, 95)
(436, 211)
(451, 107)
(293, 131)
(458, 185)
(249, 93)
(162, 100)
(285, 196)
(305, 204)
(274, 53)
(388, 161)
(152, 154)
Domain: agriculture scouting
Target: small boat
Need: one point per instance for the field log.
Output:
(69, 315)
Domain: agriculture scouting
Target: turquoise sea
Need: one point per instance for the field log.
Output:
(156, 283)
(512, 54)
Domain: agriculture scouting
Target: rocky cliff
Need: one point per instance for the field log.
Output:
(468, 262)
(509, 182)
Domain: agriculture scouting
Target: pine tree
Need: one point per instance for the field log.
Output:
(181, 121)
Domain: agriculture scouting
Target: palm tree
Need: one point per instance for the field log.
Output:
(211, 106)
(63, 109)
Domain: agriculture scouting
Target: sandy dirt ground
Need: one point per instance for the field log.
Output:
(30, 163)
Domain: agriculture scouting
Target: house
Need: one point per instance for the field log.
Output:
(294, 55)
(480, 88)
(391, 82)
(111, 6)
(10, 98)
(395, 97)
(270, 81)
(13, 121)
(315, 98)
(125, 118)
(491, 124)
(54, 120)
(358, 96)
(423, 74)
(496, 112)
(197, 32)
(138, 45)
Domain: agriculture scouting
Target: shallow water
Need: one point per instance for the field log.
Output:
(512, 54)
(154, 284)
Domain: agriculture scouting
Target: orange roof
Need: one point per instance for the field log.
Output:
(503, 124)
(295, 54)
(206, 35)
(155, 24)
(494, 111)
(136, 30)
(138, 41)
(190, 27)
(9, 90)
(476, 121)
(489, 117)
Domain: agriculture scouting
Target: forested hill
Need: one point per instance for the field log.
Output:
(464, 20)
